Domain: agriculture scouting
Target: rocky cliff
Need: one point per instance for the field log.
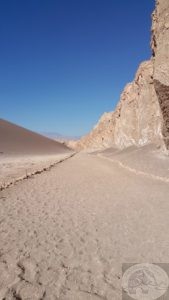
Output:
(142, 114)
(160, 49)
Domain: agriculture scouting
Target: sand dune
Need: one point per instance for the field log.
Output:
(18, 140)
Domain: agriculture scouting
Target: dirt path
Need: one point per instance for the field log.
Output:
(65, 233)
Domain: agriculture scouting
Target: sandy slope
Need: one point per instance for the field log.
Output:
(65, 233)
(16, 140)
(146, 160)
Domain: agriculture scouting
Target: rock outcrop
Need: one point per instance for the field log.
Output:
(160, 48)
(139, 118)
(142, 114)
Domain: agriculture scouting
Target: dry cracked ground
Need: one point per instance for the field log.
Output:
(65, 233)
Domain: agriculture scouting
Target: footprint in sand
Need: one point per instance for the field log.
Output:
(8, 278)
(29, 269)
(27, 291)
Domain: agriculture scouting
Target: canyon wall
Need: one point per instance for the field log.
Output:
(142, 114)
(160, 49)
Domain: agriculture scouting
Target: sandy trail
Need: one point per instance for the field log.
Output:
(65, 233)
(18, 167)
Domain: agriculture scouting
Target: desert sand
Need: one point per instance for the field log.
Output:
(147, 160)
(17, 168)
(68, 221)
(16, 140)
(24, 153)
(65, 233)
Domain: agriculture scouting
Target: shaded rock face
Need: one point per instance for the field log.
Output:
(142, 114)
(160, 47)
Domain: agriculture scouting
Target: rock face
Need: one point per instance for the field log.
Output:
(160, 47)
(100, 136)
(142, 114)
(139, 118)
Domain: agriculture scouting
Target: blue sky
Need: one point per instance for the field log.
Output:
(65, 62)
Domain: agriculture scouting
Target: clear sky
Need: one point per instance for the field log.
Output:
(65, 62)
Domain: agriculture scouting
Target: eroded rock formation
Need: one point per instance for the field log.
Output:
(142, 114)
(160, 47)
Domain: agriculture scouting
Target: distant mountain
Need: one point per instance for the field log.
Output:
(59, 137)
